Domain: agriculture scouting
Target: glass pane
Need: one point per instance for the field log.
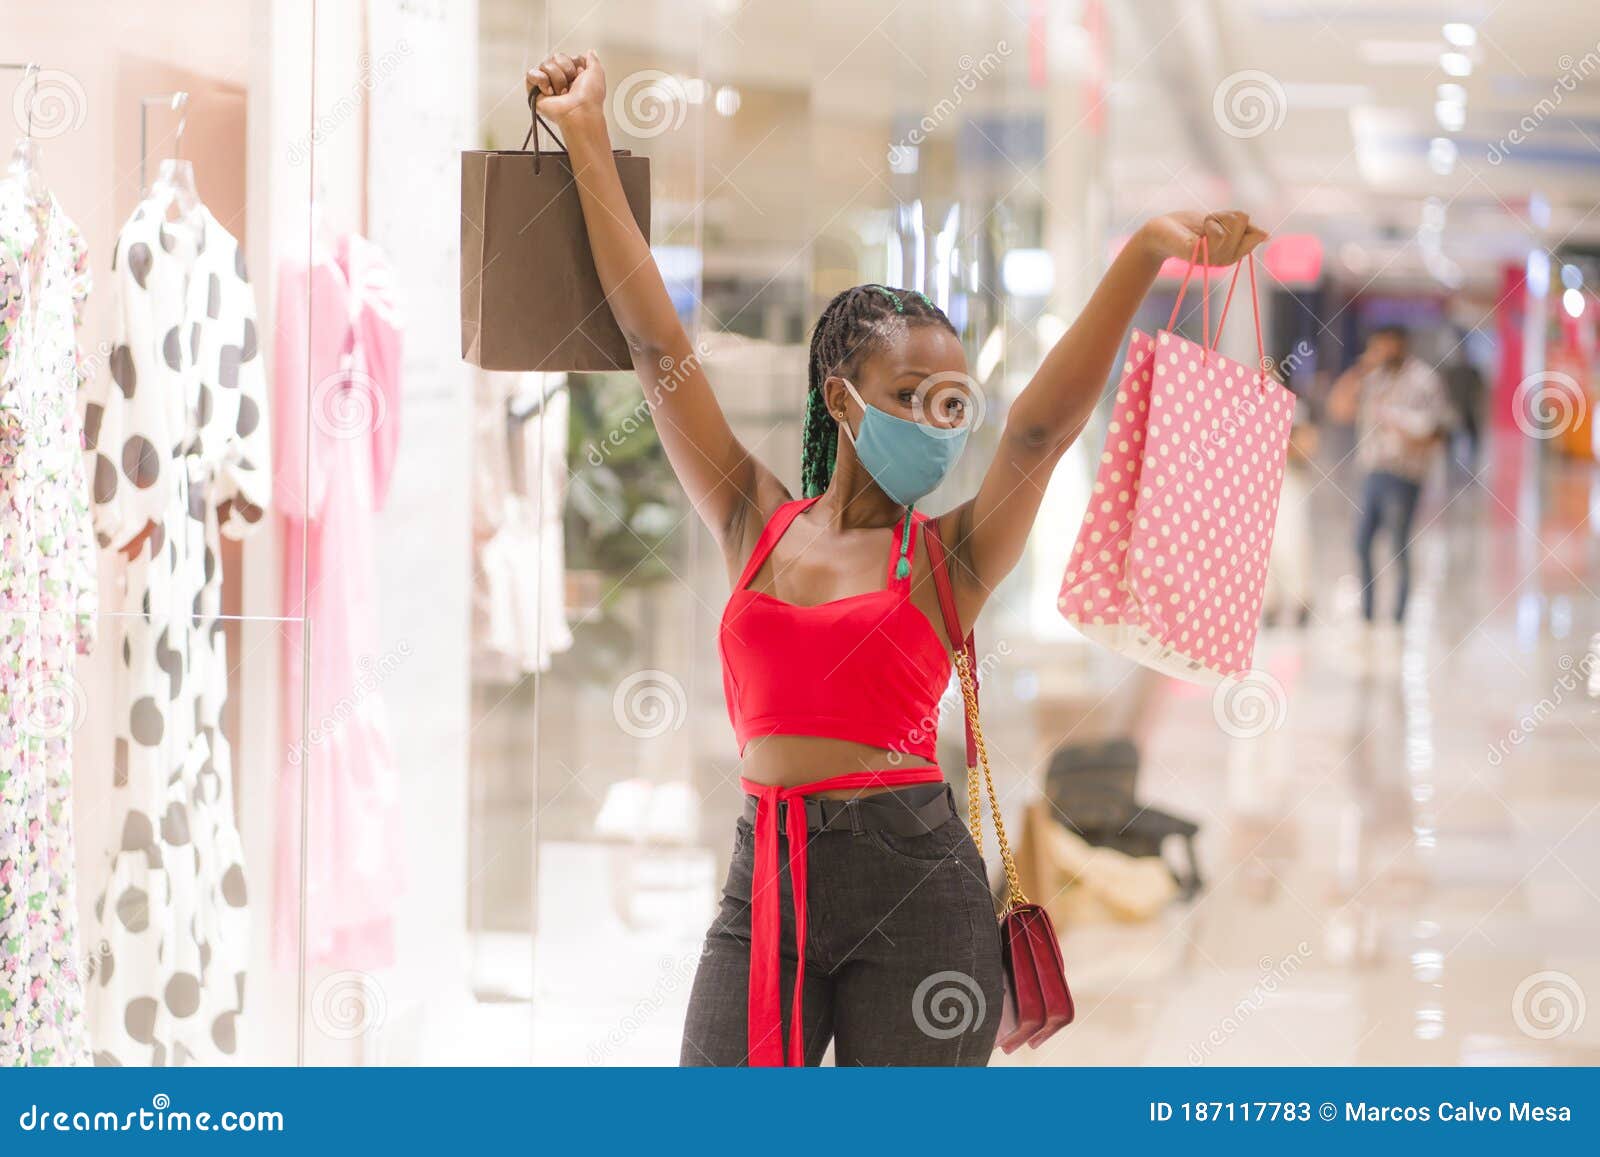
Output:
(147, 619)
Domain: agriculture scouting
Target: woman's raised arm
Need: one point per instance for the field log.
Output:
(990, 532)
(723, 480)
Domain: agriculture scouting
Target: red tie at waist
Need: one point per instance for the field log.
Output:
(765, 1005)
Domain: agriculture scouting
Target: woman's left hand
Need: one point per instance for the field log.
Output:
(1230, 235)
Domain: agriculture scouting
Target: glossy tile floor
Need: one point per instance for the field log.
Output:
(1403, 866)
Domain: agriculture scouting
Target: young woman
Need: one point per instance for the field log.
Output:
(856, 909)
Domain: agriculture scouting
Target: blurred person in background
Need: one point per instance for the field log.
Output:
(1466, 388)
(1403, 412)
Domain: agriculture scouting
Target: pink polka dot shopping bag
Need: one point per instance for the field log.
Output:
(1171, 561)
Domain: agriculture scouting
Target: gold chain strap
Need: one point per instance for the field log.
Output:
(969, 698)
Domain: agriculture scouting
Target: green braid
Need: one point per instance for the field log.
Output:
(902, 569)
(819, 446)
(899, 306)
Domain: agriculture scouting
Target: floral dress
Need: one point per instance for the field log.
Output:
(47, 617)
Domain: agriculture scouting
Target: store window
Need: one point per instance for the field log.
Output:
(366, 706)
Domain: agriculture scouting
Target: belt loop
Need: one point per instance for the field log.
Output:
(853, 806)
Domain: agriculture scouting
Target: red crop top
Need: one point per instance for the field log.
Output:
(868, 668)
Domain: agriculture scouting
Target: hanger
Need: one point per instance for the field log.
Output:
(24, 166)
(174, 188)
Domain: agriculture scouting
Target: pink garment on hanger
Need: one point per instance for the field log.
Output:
(337, 402)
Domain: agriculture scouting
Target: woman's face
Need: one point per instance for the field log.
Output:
(921, 377)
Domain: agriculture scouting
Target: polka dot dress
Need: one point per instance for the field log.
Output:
(1171, 561)
(177, 434)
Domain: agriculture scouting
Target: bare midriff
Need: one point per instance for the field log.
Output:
(793, 760)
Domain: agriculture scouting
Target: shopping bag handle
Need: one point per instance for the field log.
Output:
(1249, 260)
(1201, 255)
(1208, 340)
(533, 131)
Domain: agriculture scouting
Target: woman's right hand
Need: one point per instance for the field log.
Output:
(569, 87)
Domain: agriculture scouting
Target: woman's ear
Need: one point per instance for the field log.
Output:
(837, 396)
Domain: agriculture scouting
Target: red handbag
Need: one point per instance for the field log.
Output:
(1038, 1002)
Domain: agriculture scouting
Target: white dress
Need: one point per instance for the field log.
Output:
(180, 455)
(520, 483)
(47, 617)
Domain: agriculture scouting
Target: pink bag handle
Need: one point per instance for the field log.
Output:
(1255, 308)
(1202, 251)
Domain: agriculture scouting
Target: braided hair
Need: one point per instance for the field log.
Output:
(857, 323)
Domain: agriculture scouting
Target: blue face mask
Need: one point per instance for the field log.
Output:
(906, 459)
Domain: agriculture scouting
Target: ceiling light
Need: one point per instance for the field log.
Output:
(903, 159)
(1452, 92)
(727, 100)
(1309, 95)
(1538, 273)
(1539, 209)
(1572, 277)
(1442, 153)
(1399, 51)
(1461, 35)
(1572, 302)
(1452, 117)
(1455, 64)
(1028, 272)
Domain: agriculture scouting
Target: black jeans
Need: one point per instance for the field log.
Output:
(902, 951)
(1387, 498)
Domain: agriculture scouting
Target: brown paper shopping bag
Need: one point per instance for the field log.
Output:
(530, 296)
